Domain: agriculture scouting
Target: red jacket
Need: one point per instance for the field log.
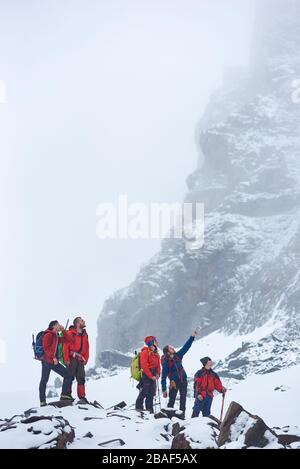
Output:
(149, 360)
(206, 382)
(50, 342)
(77, 343)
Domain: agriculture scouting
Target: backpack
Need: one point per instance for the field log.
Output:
(135, 368)
(37, 346)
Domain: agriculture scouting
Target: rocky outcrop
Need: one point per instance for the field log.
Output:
(239, 430)
(109, 358)
(197, 434)
(39, 432)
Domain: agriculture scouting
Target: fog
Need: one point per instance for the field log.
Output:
(103, 98)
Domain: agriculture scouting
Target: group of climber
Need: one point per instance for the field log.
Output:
(153, 367)
(66, 352)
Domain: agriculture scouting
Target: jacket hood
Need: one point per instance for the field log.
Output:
(51, 331)
(72, 329)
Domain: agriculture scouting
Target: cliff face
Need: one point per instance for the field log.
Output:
(248, 270)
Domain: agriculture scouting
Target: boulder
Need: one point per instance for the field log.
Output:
(240, 429)
(198, 433)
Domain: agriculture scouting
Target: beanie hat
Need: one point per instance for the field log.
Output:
(149, 340)
(204, 360)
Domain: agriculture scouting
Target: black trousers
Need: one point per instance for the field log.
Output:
(60, 370)
(76, 369)
(147, 392)
(182, 388)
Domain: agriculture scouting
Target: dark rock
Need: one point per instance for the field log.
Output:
(287, 439)
(170, 413)
(160, 415)
(256, 436)
(97, 405)
(176, 428)
(88, 435)
(31, 411)
(61, 404)
(116, 440)
(120, 405)
(180, 442)
(232, 413)
(35, 419)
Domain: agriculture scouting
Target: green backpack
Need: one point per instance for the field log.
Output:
(135, 368)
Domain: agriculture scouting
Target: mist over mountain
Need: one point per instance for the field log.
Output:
(247, 273)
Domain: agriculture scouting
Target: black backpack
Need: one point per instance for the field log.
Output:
(37, 345)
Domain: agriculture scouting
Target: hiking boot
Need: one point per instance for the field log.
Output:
(67, 397)
(139, 410)
(82, 400)
(43, 404)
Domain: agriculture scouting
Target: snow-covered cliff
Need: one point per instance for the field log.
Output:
(248, 271)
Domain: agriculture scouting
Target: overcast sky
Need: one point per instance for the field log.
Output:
(103, 99)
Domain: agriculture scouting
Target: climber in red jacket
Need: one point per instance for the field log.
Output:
(50, 362)
(76, 355)
(206, 381)
(150, 367)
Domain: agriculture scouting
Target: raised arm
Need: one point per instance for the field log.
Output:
(186, 347)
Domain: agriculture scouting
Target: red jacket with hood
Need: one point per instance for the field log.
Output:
(149, 359)
(50, 342)
(78, 343)
(206, 382)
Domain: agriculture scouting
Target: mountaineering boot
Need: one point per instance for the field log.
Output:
(67, 397)
(82, 400)
(43, 404)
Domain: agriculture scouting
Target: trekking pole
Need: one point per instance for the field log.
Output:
(158, 390)
(222, 408)
(67, 324)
